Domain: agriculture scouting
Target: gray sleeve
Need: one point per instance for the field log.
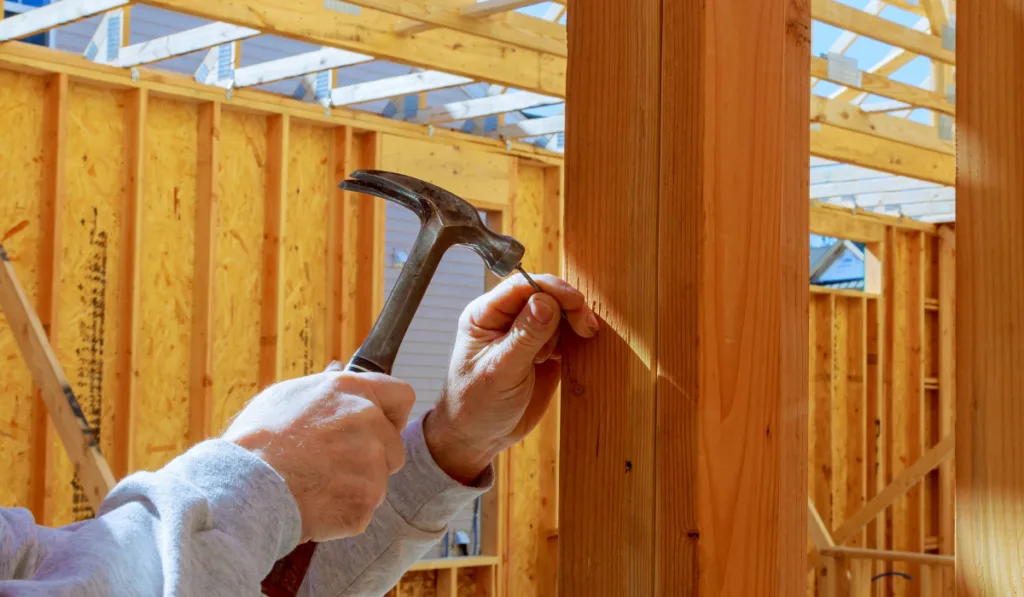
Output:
(212, 522)
(421, 500)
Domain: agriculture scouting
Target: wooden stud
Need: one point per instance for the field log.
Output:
(55, 145)
(663, 414)
(125, 415)
(907, 478)
(271, 359)
(201, 366)
(338, 214)
(860, 578)
(947, 382)
(447, 583)
(820, 411)
(990, 298)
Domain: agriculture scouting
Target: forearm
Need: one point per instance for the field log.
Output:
(210, 523)
(421, 501)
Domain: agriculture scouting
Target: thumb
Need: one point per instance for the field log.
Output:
(534, 326)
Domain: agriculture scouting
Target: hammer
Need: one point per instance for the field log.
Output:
(445, 220)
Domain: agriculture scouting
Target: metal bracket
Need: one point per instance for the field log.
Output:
(508, 145)
(945, 123)
(815, 126)
(230, 93)
(135, 74)
(951, 93)
(843, 70)
(949, 38)
(430, 130)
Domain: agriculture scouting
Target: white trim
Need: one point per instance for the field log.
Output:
(296, 66)
(484, 106)
(183, 42)
(533, 127)
(44, 18)
(885, 184)
(394, 87)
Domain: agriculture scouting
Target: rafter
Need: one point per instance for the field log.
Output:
(850, 117)
(394, 87)
(883, 30)
(475, 10)
(184, 42)
(534, 127)
(515, 29)
(53, 15)
(484, 106)
(877, 83)
(896, 59)
(371, 33)
(296, 66)
(886, 156)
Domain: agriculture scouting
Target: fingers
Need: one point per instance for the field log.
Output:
(497, 309)
(393, 396)
(391, 440)
(530, 333)
(548, 351)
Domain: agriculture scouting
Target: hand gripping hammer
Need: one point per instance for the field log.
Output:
(445, 220)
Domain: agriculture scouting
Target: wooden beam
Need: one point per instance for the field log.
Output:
(881, 85)
(184, 42)
(850, 117)
(312, 22)
(295, 66)
(906, 479)
(947, 382)
(34, 59)
(531, 127)
(125, 415)
(53, 15)
(484, 106)
(659, 411)
(489, 8)
(896, 59)
(446, 584)
(883, 30)
(990, 299)
(338, 215)
(820, 536)
(890, 556)
(80, 440)
(895, 158)
(358, 93)
(272, 317)
(200, 403)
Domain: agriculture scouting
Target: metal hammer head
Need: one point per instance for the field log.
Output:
(453, 220)
(445, 220)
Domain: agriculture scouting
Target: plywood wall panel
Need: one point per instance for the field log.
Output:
(309, 187)
(166, 277)
(88, 278)
(237, 298)
(21, 163)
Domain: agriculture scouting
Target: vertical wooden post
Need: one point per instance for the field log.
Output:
(338, 215)
(447, 584)
(683, 433)
(990, 298)
(947, 383)
(54, 147)
(273, 252)
(200, 404)
(136, 105)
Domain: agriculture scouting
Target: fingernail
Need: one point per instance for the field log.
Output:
(592, 323)
(570, 289)
(541, 312)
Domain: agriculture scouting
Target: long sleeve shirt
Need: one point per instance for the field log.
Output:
(213, 522)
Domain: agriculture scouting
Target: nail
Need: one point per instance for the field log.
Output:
(592, 323)
(540, 311)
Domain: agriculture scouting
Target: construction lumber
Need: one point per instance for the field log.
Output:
(295, 66)
(275, 209)
(906, 479)
(990, 298)
(484, 106)
(358, 93)
(664, 421)
(878, 28)
(53, 15)
(901, 159)
(372, 33)
(79, 438)
(847, 116)
(531, 127)
(890, 556)
(184, 42)
(896, 59)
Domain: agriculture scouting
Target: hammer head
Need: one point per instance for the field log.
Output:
(451, 218)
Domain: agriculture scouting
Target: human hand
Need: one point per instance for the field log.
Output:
(504, 370)
(335, 438)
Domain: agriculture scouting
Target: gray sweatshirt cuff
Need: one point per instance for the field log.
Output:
(423, 494)
(244, 497)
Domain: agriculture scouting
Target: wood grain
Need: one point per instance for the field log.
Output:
(990, 298)
(668, 407)
(275, 210)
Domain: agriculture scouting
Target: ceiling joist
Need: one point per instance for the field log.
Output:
(394, 87)
(53, 15)
(296, 66)
(877, 84)
(184, 42)
(475, 10)
(534, 127)
(850, 117)
(484, 106)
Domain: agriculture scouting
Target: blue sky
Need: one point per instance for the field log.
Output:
(865, 51)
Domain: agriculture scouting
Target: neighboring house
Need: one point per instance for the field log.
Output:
(838, 265)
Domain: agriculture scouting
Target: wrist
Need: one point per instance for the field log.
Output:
(460, 456)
